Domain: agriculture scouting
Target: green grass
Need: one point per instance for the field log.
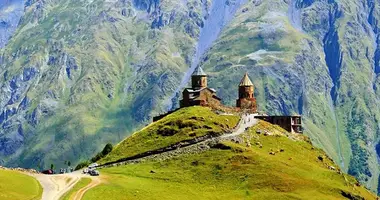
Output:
(240, 172)
(184, 124)
(83, 182)
(17, 186)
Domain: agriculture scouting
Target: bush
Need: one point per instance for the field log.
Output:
(82, 165)
(97, 157)
(107, 149)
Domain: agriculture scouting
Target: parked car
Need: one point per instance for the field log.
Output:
(94, 173)
(85, 170)
(48, 172)
(93, 165)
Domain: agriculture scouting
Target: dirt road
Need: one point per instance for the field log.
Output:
(79, 195)
(55, 186)
(247, 121)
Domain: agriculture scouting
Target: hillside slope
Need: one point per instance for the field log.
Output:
(183, 125)
(265, 162)
(18, 186)
(75, 75)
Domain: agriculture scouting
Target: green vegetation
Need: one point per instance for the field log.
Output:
(184, 124)
(273, 167)
(83, 182)
(82, 165)
(17, 186)
(106, 150)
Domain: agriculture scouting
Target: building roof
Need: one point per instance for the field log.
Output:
(197, 95)
(191, 90)
(199, 72)
(246, 81)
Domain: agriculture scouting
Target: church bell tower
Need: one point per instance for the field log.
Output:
(199, 79)
(246, 99)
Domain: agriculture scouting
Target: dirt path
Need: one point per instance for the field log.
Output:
(79, 195)
(55, 186)
(247, 121)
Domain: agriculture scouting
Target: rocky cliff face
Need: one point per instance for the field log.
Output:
(78, 74)
(11, 12)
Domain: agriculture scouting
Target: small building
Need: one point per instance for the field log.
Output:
(246, 100)
(292, 124)
(199, 94)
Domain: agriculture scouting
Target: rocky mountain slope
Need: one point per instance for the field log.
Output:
(11, 12)
(78, 74)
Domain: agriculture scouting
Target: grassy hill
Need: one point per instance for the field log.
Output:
(18, 186)
(185, 124)
(266, 163)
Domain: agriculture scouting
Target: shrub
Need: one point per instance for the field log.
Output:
(107, 149)
(82, 165)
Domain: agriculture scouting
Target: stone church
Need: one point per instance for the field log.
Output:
(199, 94)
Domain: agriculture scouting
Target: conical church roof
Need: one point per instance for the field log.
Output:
(246, 81)
(199, 72)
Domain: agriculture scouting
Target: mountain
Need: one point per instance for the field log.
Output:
(75, 75)
(264, 162)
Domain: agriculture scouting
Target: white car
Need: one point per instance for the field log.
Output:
(93, 165)
(85, 170)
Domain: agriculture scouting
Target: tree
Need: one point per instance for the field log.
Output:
(69, 163)
(52, 166)
(107, 149)
(82, 165)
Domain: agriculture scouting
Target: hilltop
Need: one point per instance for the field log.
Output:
(262, 162)
(192, 123)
